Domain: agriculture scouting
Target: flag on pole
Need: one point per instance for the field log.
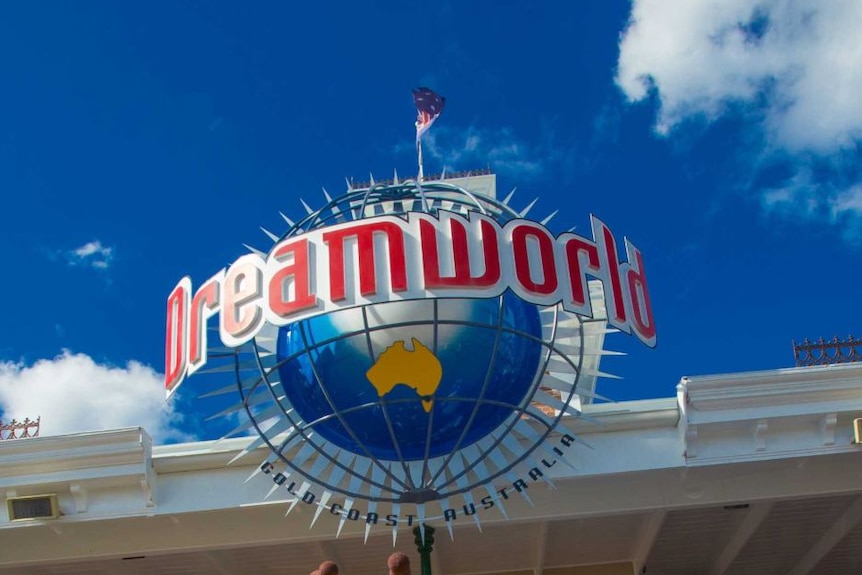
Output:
(429, 105)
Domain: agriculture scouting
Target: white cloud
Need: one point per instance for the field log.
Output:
(798, 196)
(92, 254)
(848, 203)
(474, 148)
(73, 393)
(846, 210)
(789, 67)
(797, 61)
(803, 198)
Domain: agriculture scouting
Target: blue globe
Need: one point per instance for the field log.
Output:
(489, 351)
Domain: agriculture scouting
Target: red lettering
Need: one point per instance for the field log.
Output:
(364, 234)
(206, 302)
(523, 272)
(463, 276)
(643, 322)
(471, 249)
(294, 274)
(583, 257)
(242, 314)
(617, 315)
(175, 335)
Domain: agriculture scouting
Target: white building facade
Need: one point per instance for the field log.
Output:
(739, 473)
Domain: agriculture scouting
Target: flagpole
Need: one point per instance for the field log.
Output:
(421, 175)
(419, 151)
(429, 105)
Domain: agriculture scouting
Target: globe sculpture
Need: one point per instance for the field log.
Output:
(407, 401)
(364, 389)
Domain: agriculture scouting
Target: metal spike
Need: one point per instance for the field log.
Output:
(302, 489)
(235, 408)
(378, 477)
(567, 333)
(348, 505)
(415, 474)
(561, 364)
(226, 351)
(562, 429)
(336, 212)
(345, 458)
(548, 218)
(371, 178)
(509, 197)
(523, 493)
(254, 250)
(551, 401)
(456, 468)
(269, 234)
(243, 366)
(360, 468)
(461, 482)
(471, 454)
(326, 195)
(306, 451)
(395, 178)
(306, 206)
(273, 488)
(449, 525)
(594, 421)
(551, 381)
(278, 427)
(443, 173)
(287, 445)
(257, 470)
(420, 512)
(592, 395)
(529, 207)
(597, 373)
(512, 444)
(286, 219)
(220, 391)
(398, 474)
(372, 508)
(574, 349)
(396, 511)
(324, 499)
(349, 185)
(571, 321)
(251, 446)
(355, 210)
(499, 458)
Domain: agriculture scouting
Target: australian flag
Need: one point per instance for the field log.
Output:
(429, 105)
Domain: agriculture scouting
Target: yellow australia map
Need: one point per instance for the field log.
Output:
(418, 369)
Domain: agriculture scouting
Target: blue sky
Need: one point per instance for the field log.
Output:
(140, 144)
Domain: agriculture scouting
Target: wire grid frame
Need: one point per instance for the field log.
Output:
(360, 473)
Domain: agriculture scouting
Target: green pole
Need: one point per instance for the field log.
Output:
(424, 547)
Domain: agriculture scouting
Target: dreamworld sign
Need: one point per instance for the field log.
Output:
(410, 352)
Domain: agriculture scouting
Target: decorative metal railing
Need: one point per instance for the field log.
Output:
(823, 352)
(429, 178)
(20, 429)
